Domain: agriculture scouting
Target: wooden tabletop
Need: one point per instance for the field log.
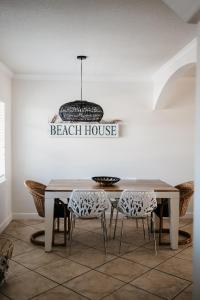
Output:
(68, 185)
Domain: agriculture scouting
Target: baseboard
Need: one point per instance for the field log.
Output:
(19, 216)
(189, 215)
(5, 223)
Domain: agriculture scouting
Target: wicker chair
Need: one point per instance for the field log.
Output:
(37, 190)
(6, 249)
(186, 191)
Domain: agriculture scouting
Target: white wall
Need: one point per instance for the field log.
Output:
(5, 187)
(153, 144)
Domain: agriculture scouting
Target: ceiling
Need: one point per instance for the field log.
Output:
(124, 39)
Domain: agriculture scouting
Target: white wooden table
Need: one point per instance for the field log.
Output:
(62, 189)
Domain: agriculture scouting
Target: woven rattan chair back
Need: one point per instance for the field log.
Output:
(6, 248)
(186, 192)
(37, 190)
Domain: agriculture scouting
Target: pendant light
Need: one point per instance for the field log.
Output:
(81, 110)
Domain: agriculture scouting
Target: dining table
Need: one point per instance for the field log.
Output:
(62, 189)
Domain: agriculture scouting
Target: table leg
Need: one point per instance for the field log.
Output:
(49, 211)
(174, 219)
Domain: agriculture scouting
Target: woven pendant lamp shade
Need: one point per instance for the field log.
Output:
(81, 110)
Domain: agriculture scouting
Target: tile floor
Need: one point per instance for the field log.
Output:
(86, 273)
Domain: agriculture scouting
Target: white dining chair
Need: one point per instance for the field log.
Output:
(138, 205)
(89, 204)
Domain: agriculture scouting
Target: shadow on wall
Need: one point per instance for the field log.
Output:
(180, 89)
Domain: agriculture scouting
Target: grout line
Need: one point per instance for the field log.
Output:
(181, 291)
(1, 293)
(32, 297)
(76, 292)
(121, 279)
(64, 281)
(174, 276)
(139, 288)
(95, 269)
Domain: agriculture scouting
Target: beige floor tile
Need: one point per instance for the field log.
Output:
(20, 231)
(113, 247)
(36, 258)
(186, 254)
(38, 226)
(12, 226)
(2, 297)
(22, 247)
(186, 294)
(177, 266)
(165, 248)
(15, 269)
(90, 225)
(27, 285)
(88, 238)
(7, 236)
(30, 222)
(77, 248)
(59, 293)
(147, 256)
(62, 270)
(182, 222)
(160, 284)
(185, 221)
(91, 257)
(133, 236)
(94, 285)
(123, 269)
(129, 292)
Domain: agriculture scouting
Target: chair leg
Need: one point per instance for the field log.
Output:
(121, 234)
(149, 230)
(69, 226)
(111, 219)
(72, 221)
(65, 227)
(161, 224)
(53, 233)
(103, 222)
(154, 233)
(58, 224)
(136, 220)
(116, 219)
(143, 229)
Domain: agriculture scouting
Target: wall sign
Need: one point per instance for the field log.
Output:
(110, 130)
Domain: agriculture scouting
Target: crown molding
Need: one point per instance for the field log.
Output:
(5, 70)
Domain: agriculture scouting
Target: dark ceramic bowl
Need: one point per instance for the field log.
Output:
(105, 180)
